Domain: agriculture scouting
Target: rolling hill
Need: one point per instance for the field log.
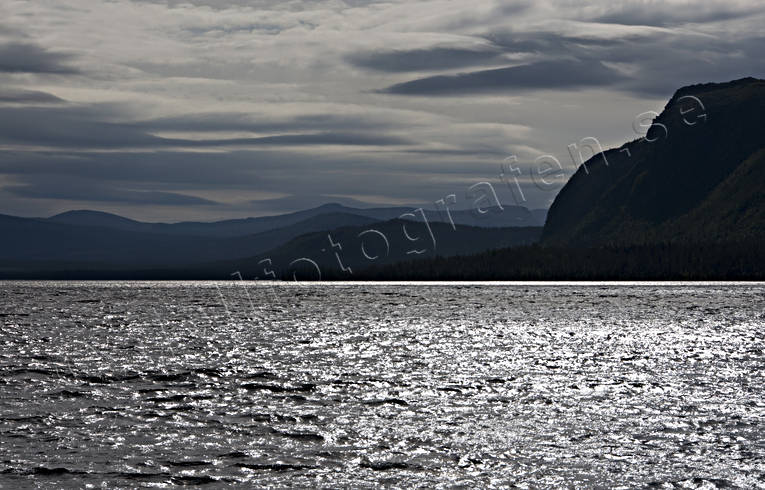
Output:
(28, 240)
(313, 256)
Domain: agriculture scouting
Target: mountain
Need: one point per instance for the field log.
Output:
(495, 217)
(218, 229)
(733, 211)
(31, 240)
(506, 217)
(698, 177)
(361, 247)
(98, 218)
(85, 244)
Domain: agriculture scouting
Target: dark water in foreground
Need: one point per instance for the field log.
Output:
(164, 384)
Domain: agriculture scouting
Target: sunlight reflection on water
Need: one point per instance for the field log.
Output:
(363, 384)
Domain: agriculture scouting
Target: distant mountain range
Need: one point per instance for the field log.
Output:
(509, 216)
(112, 243)
(84, 243)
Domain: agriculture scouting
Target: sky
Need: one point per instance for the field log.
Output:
(170, 110)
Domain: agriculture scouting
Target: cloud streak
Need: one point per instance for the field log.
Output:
(104, 194)
(535, 76)
(437, 58)
(86, 128)
(28, 97)
(667, 14)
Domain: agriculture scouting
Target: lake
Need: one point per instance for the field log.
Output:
(358, 385)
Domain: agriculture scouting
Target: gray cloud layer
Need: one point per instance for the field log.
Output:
(208, 109)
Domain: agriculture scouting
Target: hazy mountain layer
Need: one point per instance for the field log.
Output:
(28, 240)
(507, 217)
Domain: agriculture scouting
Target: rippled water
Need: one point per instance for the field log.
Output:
(335, 385)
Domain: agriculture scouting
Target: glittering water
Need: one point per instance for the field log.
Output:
(336, 385)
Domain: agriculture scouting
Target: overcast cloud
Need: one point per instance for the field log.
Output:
(206, 109)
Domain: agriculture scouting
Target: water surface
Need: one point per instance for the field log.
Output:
(336, 385)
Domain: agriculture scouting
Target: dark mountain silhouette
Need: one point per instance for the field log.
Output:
(28, 240)
(698, 176)
(94, 244)
(507, 216)
(328, 254)
(225, 228)
(51, 250)
(99, 218)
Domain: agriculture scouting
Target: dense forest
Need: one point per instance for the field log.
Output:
(713, 261)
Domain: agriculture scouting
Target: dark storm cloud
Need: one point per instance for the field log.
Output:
(484, 151)
(345, 139)
(177, 170)
(659, 15)
(138, 176)
(167, 168)
(30, 58)
(113, 177)
(28, 97)
(652, 64)
(166, 178)
(101, 192)
(499, 44)
(552, 44)
(232, 121)
(423, 59)
(564, 74)
(89, 127)
(74, 127)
